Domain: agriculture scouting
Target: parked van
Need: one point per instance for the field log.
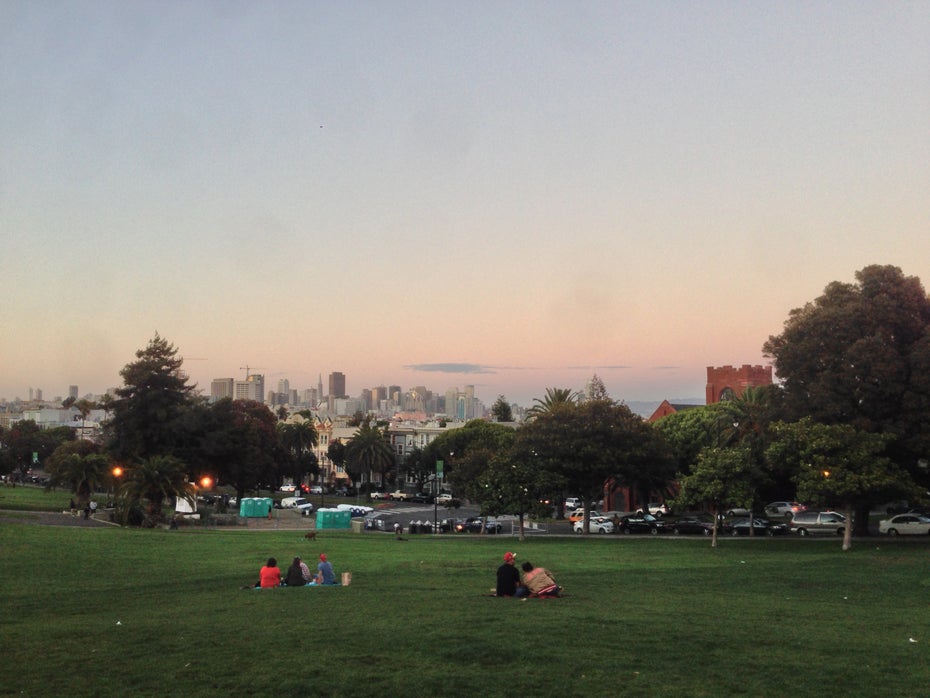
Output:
(300, 503)
(807, 523)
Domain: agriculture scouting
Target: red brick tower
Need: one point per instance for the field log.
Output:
(729, 380)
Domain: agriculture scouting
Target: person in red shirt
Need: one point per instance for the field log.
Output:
(270, 575)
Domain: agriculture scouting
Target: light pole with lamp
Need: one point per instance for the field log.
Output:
(438, 487)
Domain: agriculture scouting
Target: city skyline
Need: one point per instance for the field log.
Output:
(510, 196)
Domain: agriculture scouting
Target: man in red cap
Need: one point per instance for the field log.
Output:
(325, 574)
(508, 578)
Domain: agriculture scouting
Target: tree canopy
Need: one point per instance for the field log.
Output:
(860, 355)
(150, 404)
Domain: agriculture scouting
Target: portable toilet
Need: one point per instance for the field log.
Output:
(333, 518)
(247, 507)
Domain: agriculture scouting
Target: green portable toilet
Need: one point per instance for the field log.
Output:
(247, 507)
(342, 519)
(324, 518)
(263, 506)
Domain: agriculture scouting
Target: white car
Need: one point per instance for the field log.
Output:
(658, 509)
(287, 488)
(597, 524)
(905, 524)
(305, 506)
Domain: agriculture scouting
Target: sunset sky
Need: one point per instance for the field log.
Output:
(514, 195)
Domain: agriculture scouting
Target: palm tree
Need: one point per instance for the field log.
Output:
(368, 450)
(299, 439)
(152, 482)
(78, 470)
(555, 397)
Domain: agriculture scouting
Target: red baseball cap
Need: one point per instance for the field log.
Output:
(510, 557)
(323, 557)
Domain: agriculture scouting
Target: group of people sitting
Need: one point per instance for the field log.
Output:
(298, 574)
(535, 581)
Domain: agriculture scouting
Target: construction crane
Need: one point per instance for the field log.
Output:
(248, 369)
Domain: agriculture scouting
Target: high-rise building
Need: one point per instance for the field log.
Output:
(73, 391)
(252, 388)
(221, 388)
(284, 386)
(337, 385)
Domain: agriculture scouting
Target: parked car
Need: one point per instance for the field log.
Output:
(808, 523)
(641, 523)
(905, 524)
(693, 525)
(287, 488)
(447, 500)
(421, 498)
(317, 489)
(658, 509)
(380, 495)
(572, 503)
(399, 496)
(578, 515)
(305, 506)
(784, 508)
(349, 492)
(737, 511)
(760, 526)
(473, 525)
(598, 524)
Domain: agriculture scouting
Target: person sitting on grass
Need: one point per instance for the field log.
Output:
(270, 575)
(539, 581)
(325, 574)
(298, 574)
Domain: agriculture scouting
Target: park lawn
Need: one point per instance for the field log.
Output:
(32, 498)
(110, 611)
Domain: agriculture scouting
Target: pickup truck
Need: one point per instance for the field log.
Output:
(399, 496)
(447, 500)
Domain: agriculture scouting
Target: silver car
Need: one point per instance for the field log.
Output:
(808, 523)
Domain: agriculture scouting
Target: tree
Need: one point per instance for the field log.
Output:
(721, 477)
(151, 403)
(501, 410)
(79, 466)
(336, 452)
(839, 465)
(235, 440)
(152, 482)
(369, 451)
(514, 486)
(597, 390)
(585, 444)
(467, 452)
(299, 439)
(860, 355)
(25, 442)
(555, 397)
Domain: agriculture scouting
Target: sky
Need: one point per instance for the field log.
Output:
(512, 195)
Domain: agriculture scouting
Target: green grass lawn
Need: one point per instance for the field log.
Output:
(109, 611)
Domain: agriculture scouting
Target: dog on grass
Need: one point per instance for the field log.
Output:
(310, 535)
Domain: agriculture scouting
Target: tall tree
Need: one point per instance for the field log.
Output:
(501, 410)
(588, 443)
(240, 443)
(860, 354)
(369, 451)
(299, 438)
(839, 465)
(151, 402)
(466, 453)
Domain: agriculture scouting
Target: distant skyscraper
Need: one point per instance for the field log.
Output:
(337, 385)
(284, 386)
(221, 388)
(73, 391)
(252, 388)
